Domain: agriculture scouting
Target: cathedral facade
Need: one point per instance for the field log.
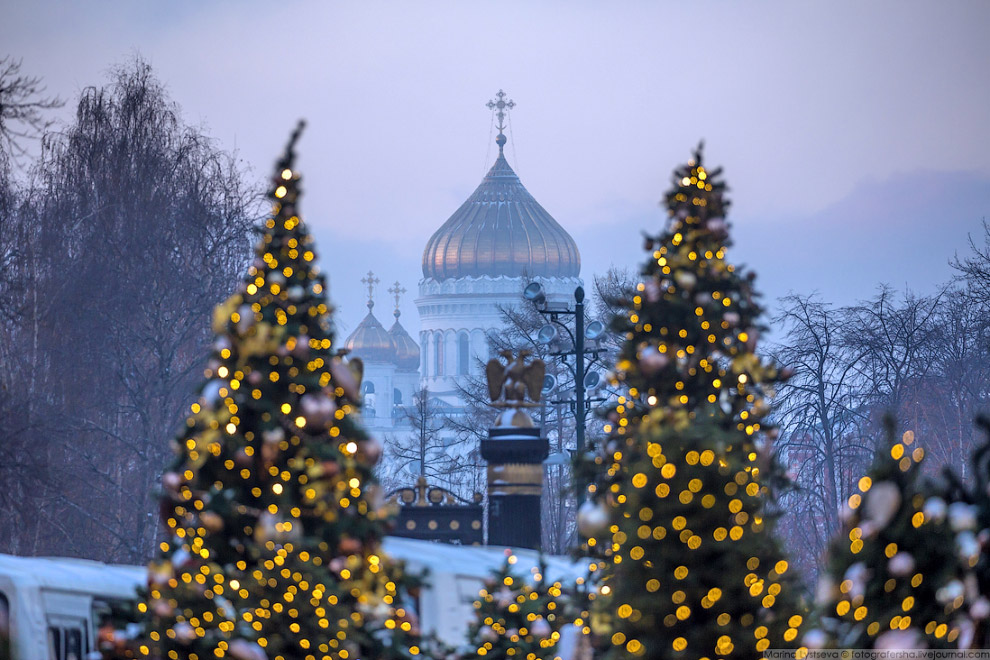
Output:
(478, 261)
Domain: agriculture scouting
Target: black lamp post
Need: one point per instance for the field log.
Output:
(584, 377)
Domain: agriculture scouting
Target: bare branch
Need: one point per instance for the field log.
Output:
(23, 105)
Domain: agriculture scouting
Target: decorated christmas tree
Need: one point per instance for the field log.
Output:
(274, 530)
(579, 598)
(679, 511)
(895, 579)
(517, 617)
(967, 509)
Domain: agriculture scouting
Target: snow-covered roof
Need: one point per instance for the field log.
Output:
(479, 560)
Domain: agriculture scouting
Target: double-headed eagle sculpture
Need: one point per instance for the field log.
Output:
(510, 384)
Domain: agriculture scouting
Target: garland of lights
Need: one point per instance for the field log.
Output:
(677, 513)
(901, 571)
(515, 617)
(271, 508)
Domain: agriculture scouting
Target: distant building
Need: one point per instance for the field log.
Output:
(391, 367)
(481, 258)
(478, 261)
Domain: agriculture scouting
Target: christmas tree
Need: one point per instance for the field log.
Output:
(895, 580)
(272, 512)
(965, 504)
(516, 617)
(679, 506)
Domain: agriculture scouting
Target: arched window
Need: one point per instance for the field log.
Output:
(480, 343)
(438, 354)
(463, 354)
(424, 339)
(398, 412)
(368, 389)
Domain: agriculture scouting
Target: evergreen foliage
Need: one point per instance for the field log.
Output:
(272, 511)
(517, 617)
(680, 515)
(893, 581)
(968, 514)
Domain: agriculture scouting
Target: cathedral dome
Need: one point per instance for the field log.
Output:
(370, 341)
(406, 349)
(501, 230)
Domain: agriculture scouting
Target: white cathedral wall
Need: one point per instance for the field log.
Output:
(407, 381)
(479, 350)
(469, 305)
(380, 374)
(387, 378)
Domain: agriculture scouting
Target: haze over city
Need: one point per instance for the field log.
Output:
(210, 448)
(853, 136)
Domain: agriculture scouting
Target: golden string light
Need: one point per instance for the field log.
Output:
(274, 543)
(894, 577)
(680, 478)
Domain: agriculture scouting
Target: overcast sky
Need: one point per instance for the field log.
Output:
(854, 135)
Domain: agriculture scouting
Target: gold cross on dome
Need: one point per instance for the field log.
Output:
(501, 106)
(370, 280)
(396, 290)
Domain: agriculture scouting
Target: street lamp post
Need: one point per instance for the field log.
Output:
(579, 376)
(581, 371)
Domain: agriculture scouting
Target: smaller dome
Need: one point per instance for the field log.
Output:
(370, 341)
(406, 349)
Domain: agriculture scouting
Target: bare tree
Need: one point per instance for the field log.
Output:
(974, 269)
(23, 106)
(137, 225)
(424, 452)
(943, 405)
(897, 341)
(919, 358)
(10, 247)
(821, 416)
(613, 293)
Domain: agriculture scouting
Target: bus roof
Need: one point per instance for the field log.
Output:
(117, 581)
(69, 574)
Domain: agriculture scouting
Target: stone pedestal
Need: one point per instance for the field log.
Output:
(515, 485)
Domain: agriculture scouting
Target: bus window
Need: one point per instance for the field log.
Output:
(4, 626)
(73, 644)
(54, 643)
(115, 621)
(68, 639)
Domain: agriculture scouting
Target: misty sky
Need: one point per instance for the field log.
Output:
(854, 136)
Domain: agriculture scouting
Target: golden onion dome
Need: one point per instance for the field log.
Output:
(501, 230)
(406, 349)
(370, 341)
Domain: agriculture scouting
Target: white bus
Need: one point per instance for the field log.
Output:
(51, 608)
(455, 575)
